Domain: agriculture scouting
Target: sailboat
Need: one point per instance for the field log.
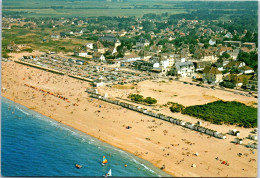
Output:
(109, 173)
(78, 166)
(104, 161)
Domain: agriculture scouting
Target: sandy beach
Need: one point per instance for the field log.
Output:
(156, 141)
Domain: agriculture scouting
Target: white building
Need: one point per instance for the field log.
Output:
(102, 58)
(89, 45)
(171, 60)
(212, 42)
(114, 50)
(252, 137)
(238, 140)
(99, 82)
(184, 69)
(156, 65)
(246, 70)
(81, 53)
(165, 63)
(117, 43)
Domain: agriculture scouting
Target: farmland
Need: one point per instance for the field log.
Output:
(92, 8)
(55, 8)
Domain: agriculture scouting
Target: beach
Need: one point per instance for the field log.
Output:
(21, 150)
(156, 141)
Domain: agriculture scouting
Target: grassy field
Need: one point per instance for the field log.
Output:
(34, 39)
(220, 112)
(90, 8)
(86, 8)
(92, 12)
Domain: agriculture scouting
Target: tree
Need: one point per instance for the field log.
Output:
(250, 59)
(148, 26)
(150, 100)
(176, 107)
(136, 97)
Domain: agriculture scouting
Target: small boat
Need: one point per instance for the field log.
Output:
(109, 173)
(78, 166)
(104, 161)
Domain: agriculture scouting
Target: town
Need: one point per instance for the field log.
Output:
(203, 50)
(174, 83)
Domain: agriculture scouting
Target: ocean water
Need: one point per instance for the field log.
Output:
(35, 145)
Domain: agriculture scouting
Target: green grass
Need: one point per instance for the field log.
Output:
(220, 112)
(91, 12)
(89, 8)
(34, 39)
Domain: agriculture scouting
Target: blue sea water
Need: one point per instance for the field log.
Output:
(35, 145)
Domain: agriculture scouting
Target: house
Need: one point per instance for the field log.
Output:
(234, 64)
(238, 140)
(141, 43)
(200, 65)
(228, 35)
(184, 69)
(164, 63)
(233, 43)
(234, 132)
(171, 38)
(209, 54)
(246, 70)
(252, 83)
(212, 74)
(225, 62)
(89, 45)
(131, 58)
(212, 42)
(117, 43)
(99, 82)
(142, 65)
(109, 38)
(171, 60)
(159, 66)
(99, 47)
(252, 137)
(249, 45)
(235, 80)
(161, 70)
(81, 53)
(102, 58)
(232, 52)
(219, 66)
(252, 145)
(245, 49)
(55, 36)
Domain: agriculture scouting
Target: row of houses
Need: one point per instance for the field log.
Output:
(176, 121)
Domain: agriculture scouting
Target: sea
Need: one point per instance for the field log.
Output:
(35, 145)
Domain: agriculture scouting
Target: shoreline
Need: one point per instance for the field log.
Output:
(145, 163)
(155, 141)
